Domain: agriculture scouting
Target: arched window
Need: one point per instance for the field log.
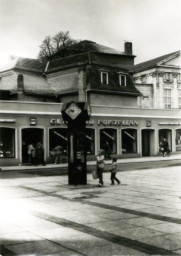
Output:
(20, 83)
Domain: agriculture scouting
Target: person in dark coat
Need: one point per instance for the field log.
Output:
(165, 146)
(39, 154)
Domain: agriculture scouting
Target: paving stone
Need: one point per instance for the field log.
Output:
(167, 227)
(136, 233)
(168, 241)
(111, 249)
(118, 215)
(40, 247)
(18, 238)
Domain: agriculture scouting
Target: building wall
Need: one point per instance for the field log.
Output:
(64, 81)
(156, 78)
(8, 80)
(146, 99)
(112, 100)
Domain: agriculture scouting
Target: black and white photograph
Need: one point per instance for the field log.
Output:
(90, 127)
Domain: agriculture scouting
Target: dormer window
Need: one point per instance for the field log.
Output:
(122, 80)
(20, 83)
(104, 77)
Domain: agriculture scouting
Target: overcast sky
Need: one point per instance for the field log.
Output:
(153, 26)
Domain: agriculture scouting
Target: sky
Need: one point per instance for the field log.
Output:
(153, 26)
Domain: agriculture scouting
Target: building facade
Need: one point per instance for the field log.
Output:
(33, 93)
(159, 80)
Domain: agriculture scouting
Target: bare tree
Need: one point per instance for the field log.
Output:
(59, 43)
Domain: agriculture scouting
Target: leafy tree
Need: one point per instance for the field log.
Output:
(56, 44)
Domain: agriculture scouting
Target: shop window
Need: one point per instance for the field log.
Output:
(108, 141)
(20, 83)
(165, 134)
(90, 141)
(122, 80)
(178, 140)
(167, 98)
(129, 141)
(104, 77)
(7, 143)
(58, 137)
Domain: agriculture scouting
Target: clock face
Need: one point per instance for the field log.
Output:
(73, 111)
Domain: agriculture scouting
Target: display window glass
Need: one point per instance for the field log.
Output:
(178, 140)
(90, 141)
(7, 142)
(165, 134)
(129, 141)
(108, 141)
(58, 144)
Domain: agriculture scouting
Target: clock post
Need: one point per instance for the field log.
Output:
(76, 114)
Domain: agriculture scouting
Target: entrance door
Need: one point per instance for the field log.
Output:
(30, 136)
(147, 142)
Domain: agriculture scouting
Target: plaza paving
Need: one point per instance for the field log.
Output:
(41, 215)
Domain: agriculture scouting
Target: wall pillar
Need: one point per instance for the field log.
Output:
(161, 92)
(175, 92)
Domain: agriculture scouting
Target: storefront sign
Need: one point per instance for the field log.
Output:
(148, 123)
(117, 122)
(7, 121)
(169, 123)
(33, 121)
(58, 121)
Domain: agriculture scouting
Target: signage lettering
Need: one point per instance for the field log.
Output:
(117, 122)
(7, 121)
(58, 121)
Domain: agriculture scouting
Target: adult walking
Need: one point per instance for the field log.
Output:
(165, 146)
(31, 153)
(100, 167)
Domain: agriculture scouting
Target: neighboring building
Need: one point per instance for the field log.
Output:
(32, 94)
(159, 80)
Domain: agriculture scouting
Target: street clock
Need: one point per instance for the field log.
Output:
(73, 110)
(76, 114)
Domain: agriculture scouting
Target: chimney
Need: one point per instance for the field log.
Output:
(128, 48)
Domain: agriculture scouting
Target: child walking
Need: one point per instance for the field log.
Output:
(114, 170)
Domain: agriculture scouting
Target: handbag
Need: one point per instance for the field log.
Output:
(94, 174)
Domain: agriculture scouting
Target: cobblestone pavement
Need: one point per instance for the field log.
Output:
(41, 215)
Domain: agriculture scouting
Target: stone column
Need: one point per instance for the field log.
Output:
(155, 84)
(175, 92)
(173, 147)
(161, 91)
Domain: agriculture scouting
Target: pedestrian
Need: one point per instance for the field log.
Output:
(100, 167)
(107, 149)
(30, 153)
(39, 154)
(165, 146)
(58, 152)
(114, 170)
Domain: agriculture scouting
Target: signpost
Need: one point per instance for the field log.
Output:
(76, 114)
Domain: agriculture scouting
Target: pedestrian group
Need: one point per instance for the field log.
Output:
(100, 169)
